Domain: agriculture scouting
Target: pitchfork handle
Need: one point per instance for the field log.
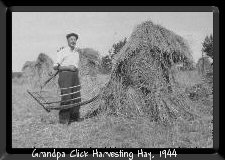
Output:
(50, 79)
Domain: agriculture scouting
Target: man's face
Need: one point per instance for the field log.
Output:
(72, 41)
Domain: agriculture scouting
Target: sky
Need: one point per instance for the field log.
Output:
(45, 32)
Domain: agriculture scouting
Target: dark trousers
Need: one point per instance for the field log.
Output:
(69, 79)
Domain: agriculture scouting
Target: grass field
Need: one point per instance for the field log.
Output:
(32, 126)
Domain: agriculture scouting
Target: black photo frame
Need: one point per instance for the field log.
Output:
(8, 152)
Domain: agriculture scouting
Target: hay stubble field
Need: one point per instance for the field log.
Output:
(32, 126)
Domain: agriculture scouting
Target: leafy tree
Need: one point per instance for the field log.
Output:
(106, 64)
(204, 65)
(116, 47)
(207, 46)
(106, 61)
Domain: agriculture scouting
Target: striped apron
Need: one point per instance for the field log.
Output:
(69, 79)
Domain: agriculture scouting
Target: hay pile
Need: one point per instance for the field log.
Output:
(36, 72)
(142, 81)
(91, 77)
(88, 71)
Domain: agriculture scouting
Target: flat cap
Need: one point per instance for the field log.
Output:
(72, 34)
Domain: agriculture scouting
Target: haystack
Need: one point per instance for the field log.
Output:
(141, 82)
(36, 72)
(90, 76)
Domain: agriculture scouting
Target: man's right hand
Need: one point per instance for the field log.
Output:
(56, 67)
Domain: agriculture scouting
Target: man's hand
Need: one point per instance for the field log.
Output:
(56, 67)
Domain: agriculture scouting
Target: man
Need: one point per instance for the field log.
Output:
(67, 65)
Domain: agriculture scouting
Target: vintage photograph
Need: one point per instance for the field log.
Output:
(112, 79)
